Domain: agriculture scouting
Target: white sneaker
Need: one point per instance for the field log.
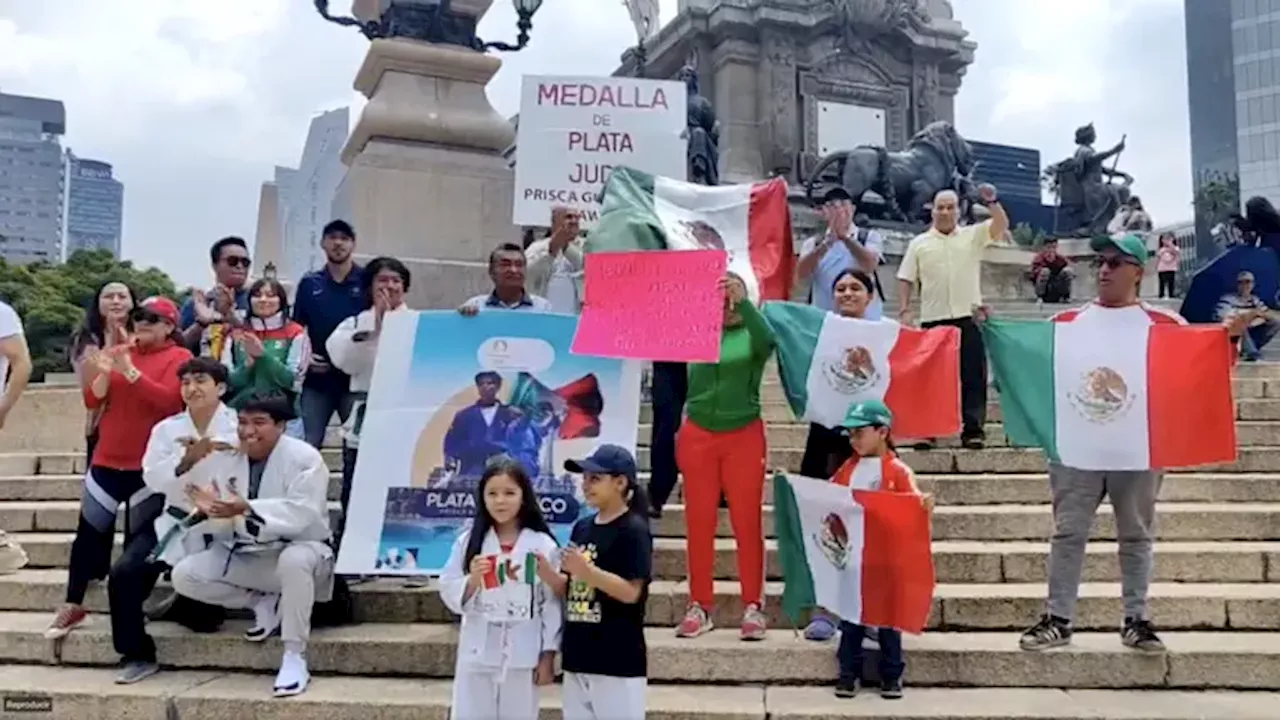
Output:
(293, 676)
(266, 619)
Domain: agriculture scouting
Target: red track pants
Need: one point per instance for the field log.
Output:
(731, 462)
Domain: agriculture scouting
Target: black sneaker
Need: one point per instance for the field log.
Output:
(925, 444)
(1141, 635)
(891, 689)
(848, 688)
(1050, 632)
(975, 442)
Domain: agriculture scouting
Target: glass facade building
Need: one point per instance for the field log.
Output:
(1255, 42)
(95, 206)
(32, 180)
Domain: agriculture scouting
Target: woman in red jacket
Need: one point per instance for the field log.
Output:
(136, 385)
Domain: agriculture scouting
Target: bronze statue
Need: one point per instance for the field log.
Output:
(703, 131)
(1088, 196)
(936, 158)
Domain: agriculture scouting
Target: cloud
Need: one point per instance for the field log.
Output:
(195, 102)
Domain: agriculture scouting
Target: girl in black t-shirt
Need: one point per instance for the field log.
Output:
(609, 566)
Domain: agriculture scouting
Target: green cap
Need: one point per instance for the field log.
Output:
(1128, 244)
(871, 412)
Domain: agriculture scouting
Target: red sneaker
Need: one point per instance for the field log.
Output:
(69, 618)
(754, 625)
(696, 622)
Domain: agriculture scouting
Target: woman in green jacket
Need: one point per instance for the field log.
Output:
(270, 352)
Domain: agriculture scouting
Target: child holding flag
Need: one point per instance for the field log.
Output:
(874, 466)
(609, 564)
(511, 622)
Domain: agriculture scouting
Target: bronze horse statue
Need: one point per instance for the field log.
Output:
(936, 158)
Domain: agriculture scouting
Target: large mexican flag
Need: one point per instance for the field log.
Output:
(828, 363)
(863, 555)
(1111, 390)
(751, 222)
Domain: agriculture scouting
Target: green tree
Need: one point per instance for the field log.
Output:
(1026, 236)
(1217, 196)
(51, 299)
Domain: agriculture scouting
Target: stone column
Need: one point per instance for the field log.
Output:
(427, 182)
(734, 64)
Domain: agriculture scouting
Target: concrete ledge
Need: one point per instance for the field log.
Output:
(1231, 660)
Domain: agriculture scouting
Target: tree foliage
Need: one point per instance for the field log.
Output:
(1217, 196)
(1026, 236)
(51, 299)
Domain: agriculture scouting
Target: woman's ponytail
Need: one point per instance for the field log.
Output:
(637, 499)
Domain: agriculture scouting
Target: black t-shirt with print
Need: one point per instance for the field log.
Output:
(603, 636)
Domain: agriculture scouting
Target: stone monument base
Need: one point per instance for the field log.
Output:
(439, 210)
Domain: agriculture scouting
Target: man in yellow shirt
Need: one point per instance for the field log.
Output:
(946, 262)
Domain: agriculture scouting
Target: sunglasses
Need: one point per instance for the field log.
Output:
(1114, 262)
(145, 316)
(242, 262)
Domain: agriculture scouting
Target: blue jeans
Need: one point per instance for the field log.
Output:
(318, 407)
(1252, 342)
(849, 654)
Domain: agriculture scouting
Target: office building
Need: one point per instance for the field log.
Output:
(95, 206)
(32, 181)
(305, 196)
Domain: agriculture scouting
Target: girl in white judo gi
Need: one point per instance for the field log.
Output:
(497, 580)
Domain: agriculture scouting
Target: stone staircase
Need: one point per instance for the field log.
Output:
(1216, 597)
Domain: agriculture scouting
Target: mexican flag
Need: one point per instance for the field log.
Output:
(504, 570)
(751, 222)
(1113, 390)
(827, 363)
(864, 555)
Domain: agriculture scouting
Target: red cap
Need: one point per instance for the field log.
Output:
(162, 306)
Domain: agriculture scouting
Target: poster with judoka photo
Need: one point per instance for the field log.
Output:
(451, 392)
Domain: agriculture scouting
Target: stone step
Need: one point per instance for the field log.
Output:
(955, 561)
(998, 606)
(1177, 521)
(1255, 459)
(948, 489)
(1197, 660)
(777, 410)
(76, 693)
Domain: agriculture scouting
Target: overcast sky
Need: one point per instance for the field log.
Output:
(195, 101)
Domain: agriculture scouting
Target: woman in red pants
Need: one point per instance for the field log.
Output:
(721, 449)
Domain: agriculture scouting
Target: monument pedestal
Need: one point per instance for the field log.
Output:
(427, 182)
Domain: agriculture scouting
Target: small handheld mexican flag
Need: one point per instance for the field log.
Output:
(504, 570)
(751, 222)
(863, 555)
(1115, 389)
(828, 363)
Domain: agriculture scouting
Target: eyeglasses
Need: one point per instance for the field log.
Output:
(238, 261)
(1113, 262)
(145, 316)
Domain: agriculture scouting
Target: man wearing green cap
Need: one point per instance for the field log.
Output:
(1077, 493)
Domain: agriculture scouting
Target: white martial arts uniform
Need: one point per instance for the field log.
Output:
(505, 630)
(603, 697)
(160, 463)
(279, 548)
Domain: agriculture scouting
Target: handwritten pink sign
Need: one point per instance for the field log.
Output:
(653, 305)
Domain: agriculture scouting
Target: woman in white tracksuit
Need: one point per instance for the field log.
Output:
(496, 579)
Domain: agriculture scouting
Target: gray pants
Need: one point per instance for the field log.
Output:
(1076, 497)
(291, 572)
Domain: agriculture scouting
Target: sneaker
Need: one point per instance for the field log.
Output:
(696, 622)
(1050, 632)
(159, 603)
(925, 444)
(975, 442)
(891, 689)
(848, 688)
(293, 677)
(1141, 635)
(69, 618)
(266, 618)
(820, 629)
(754, 624)
(136, 670)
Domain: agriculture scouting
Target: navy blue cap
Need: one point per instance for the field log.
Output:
(606, 460)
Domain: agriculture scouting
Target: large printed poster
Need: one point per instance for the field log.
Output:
(450, 392)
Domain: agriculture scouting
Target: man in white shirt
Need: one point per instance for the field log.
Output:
(15, 360)
(554, 264)
(824, 257)
(507, 269)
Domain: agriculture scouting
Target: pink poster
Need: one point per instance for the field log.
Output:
(653, 305)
